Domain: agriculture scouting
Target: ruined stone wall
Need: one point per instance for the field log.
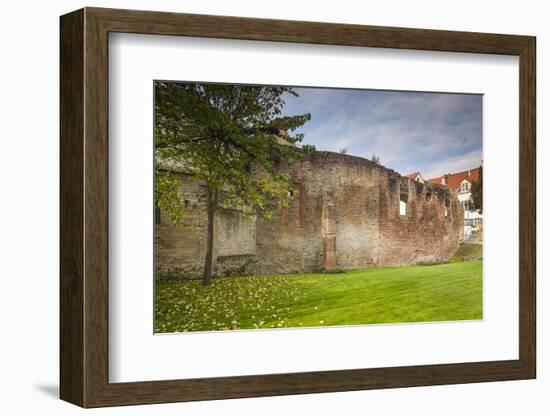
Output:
(431, 229)
(331, 222)
(344, 214)
(180, 249)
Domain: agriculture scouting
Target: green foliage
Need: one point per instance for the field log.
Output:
(477, 192)
(443, 292)
(308, 149)
(225, 135)
(167, 198)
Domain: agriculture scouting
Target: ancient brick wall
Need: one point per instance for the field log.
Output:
(345, 213)
(331, 221)
(180, 249)
(430, 229)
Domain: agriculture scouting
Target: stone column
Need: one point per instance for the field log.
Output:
(328, 214)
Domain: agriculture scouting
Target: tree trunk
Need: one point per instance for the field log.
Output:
(211, 205)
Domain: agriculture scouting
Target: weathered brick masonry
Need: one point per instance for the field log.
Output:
(345, 213)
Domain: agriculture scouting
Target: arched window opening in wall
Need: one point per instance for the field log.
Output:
(403, 199)
(402, 208)
(446, 207)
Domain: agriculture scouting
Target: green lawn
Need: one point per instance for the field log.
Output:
(443, 292)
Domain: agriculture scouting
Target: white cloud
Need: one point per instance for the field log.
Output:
(408, 131)
(454, 164)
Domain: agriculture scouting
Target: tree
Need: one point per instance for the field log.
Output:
(234, 139)
(375, 159)
(476, 197)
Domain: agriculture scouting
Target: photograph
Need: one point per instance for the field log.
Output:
(268, 204)
(280, 207)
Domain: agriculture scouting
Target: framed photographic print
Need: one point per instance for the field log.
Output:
(255, 207)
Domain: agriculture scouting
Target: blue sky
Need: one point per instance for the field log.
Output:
(434, 133)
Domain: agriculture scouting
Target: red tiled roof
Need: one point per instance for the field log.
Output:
(455, 179)
(412, 175)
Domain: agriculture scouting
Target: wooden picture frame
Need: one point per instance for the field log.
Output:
(84, 207)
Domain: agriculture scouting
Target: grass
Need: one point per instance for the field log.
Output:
(444, 292)
(468, 251)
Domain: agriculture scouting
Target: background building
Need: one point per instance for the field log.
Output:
(461, 183)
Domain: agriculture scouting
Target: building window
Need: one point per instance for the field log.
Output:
(402, 208)
(465, 186)
(403, 198)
